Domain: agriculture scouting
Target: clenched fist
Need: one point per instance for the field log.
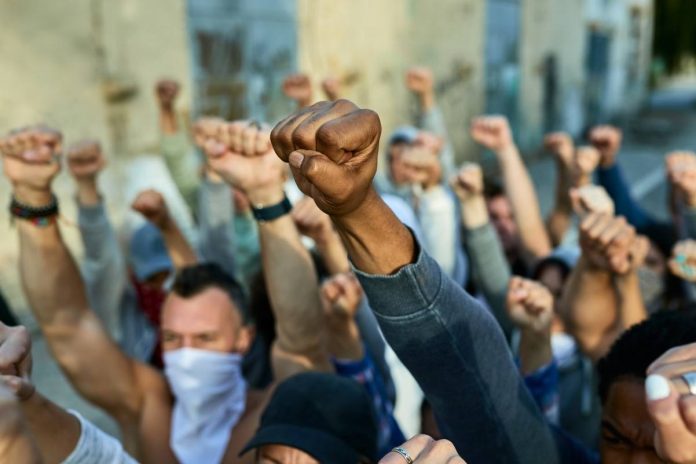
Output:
(468, 183)
(420, 81)
(241, 153)
(681, 171)
(31, 160)
(530, 305)
(298, 87)
(85, 160)
(607, 140)
(166, 91)
(341, 296)
(560, 144)
(16, 361)
(311, 221)
(591, 199)
(611, 243)
(683, 262)
(422, 449)
(332, 150)
(152, 206)
(493, 132)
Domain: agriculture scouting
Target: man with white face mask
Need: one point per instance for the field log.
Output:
(200, 410)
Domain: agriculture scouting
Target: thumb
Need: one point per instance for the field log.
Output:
(22, 388)
(663, 407)
(325, 175)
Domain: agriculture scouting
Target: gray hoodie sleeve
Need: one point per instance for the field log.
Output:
(458, 354)
(491, 270)
(434, 121)
(216, 225)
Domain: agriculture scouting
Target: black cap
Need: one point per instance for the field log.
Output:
(326, 416)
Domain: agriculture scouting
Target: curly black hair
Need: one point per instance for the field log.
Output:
(642, 344)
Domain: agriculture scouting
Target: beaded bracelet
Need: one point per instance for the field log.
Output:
(41, 216)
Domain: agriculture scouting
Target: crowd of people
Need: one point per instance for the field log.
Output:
(323, 312)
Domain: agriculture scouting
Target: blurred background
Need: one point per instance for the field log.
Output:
(89, 68)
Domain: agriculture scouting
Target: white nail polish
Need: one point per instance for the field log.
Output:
(657, 387)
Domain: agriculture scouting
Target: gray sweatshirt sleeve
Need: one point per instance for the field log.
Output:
(183, 166)
(216, 225)
(491, 270)
(434, 121)
(103, 267)
(458, 354)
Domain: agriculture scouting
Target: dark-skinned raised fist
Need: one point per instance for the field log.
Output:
(332, 151)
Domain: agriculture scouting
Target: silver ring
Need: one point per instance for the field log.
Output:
(403, 453)
(690, 379)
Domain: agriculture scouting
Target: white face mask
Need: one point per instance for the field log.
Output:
(210, 398)
(564, 348)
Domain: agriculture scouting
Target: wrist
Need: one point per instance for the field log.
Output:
(35, 197)
(427, 100)
(474, 212)
(87, 192)
(266, 196)
(506, 152)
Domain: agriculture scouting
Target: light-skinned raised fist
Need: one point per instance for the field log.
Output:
(493, 132)
(672, 406)
(419, 80)
(585, 162)
(681, 171)
(166, 92)
(16, 361)
(560, 145)
(85, 160)
(606, 242)
(422, 449)
(607, 140)
(341, 296)
(331, 86)
(241, 153)
(683, 260)
(311, 221)
(31, 160)
(152, 206)
(298, 87)
(591, 199)
(530, 305)
(421, 166)
(332, 150)
(468, 182)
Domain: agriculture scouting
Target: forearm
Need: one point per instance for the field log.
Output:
(216, 225)
(559, 219)
(183, 167)
(589, 307)
(525, 204)
(631, 306)
(535, 351)
(178, 248)
(16, 443)
(168, 121)
(55, 430)
(333, 253)
(344, 341)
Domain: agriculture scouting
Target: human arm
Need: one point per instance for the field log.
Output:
(494, 133)
(175, 147)
(298, 87)
(216, 215)
(491, 269)
(103, 266)
(58, 298)
(561, 146)
(424, 315)
(331, 86)
(681, 172)
(241, 154)
(152, 206)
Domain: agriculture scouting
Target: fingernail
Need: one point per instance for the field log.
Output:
(296, 159)
(657, 387)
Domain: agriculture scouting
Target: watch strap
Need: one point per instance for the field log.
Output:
(269, 213)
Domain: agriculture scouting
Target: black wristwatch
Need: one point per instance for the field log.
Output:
(269, 213)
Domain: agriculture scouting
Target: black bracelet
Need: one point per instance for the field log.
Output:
(269, 213)
(22, 211)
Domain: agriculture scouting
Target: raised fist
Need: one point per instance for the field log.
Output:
(560, 144)
(332, 88)
(606, 242)
(672, 406)
(468, 183)
(421, 166)
(607, 140)
(493, 132)
(298, 87)
(166, 91)
(530, 305)
(31, 160)
(332, 150)
(85, 160)
(241, 153)
(15, 360)
(419, 80)
(585, 162)
(152, 206)
(681, 171)
(683, 262)
(341, 296)
(310, 220)
(422, 449)
(591, 199)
